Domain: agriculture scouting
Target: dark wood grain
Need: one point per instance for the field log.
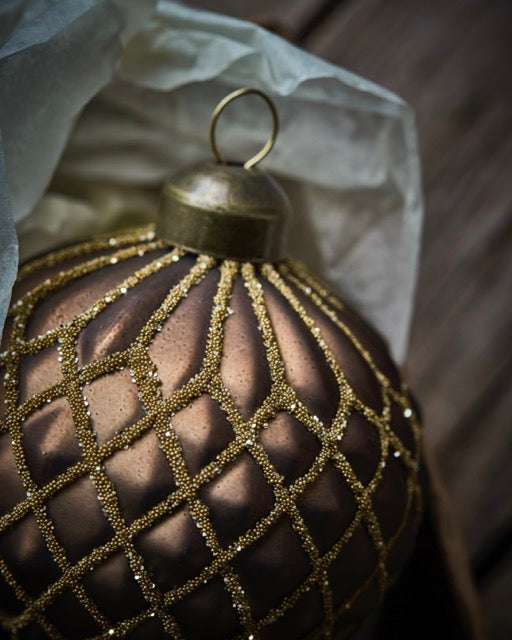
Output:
(496, 600)
(452, 61)
(293, 19)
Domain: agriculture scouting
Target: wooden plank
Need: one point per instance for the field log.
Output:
(463, 318)
(496, 600)
(479, 470)
(289, 18)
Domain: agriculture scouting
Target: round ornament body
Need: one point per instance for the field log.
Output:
(196, 448)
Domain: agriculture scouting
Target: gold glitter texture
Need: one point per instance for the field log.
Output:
(188, 494)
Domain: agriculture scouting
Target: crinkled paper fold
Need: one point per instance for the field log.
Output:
(346, 151)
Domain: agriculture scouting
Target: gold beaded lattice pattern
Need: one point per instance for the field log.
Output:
(158, 410)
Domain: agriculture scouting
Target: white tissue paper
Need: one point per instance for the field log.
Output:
(346, 151)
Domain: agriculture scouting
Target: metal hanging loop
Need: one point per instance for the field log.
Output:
(252, 162)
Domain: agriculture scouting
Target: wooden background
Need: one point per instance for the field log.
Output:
(452, 61)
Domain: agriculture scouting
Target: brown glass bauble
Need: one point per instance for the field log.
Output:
(196, 447)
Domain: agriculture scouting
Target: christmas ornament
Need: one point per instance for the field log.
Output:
(198, 439)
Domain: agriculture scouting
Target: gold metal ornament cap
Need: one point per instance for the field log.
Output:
(225, 209)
